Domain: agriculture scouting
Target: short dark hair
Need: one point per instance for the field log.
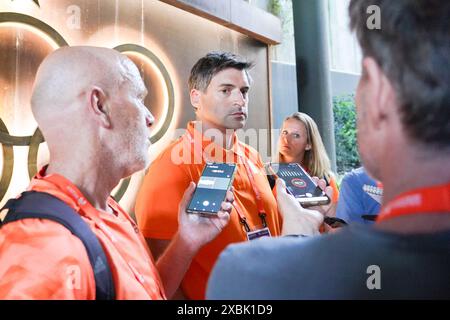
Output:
(412, 48)
(211, 64)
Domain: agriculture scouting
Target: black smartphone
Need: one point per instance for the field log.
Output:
(215, 181)
(299, 184)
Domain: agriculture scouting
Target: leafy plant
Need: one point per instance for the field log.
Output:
(274, 7)
(347, 156)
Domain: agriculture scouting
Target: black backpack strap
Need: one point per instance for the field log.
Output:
(369, 217)
(32, 204)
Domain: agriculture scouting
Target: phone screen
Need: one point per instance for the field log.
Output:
(300, 184)
(212, 188)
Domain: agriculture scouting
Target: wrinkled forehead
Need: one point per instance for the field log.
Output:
(131, 75)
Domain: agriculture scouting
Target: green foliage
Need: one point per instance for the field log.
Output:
(347, 156)
(274, 7)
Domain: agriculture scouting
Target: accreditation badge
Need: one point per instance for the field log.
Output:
(260, 233)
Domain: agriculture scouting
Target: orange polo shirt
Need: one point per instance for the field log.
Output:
(41, 259)
(332, 183)
(168, 177)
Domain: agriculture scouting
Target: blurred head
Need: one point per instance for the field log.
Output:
(89, 101)
(300, 141)
(404, 75)
(219, 85)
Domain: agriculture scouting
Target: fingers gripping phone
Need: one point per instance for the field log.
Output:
(211, 190)
(300, 184)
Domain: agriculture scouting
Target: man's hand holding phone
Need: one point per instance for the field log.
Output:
(296, 219)
(197, 230)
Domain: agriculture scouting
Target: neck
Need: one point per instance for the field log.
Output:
(414, 171)
(298, 159)
(90, 177)
(221, 136)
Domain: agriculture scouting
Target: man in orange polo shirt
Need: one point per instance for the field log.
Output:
(88, 103)
(219, 85)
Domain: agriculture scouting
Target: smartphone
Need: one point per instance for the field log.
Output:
(299, 184)
(215, 181)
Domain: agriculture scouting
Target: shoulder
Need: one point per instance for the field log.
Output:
(358, 176)
(283, 248)
(165, 157)
(250, 254)
(242, 271)
(352, 177)
(353, 174)
(43, 253)
(40, 232)
(174, 162)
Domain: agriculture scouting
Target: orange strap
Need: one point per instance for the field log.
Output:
(427, 200)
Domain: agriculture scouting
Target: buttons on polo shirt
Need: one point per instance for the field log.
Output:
(137, 274)
(135, 227)
(155, 290)
(151, 287)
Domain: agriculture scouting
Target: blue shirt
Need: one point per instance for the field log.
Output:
(356, 197)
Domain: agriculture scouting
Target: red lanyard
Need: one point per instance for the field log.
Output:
(422, 201)
(261, 211)
(85, 207)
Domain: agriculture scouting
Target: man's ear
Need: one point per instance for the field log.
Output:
(195, 98)
(378, 90)
(99, 107)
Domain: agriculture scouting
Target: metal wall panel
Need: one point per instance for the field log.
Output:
(163, 40)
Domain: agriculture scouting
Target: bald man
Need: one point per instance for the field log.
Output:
(88, 103)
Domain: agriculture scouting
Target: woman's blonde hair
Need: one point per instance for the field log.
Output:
(316, 159)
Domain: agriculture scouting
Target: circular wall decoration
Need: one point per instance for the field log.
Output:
(14, 17)
(168, 106)
(8, 158)
(161, 97)
(34, 30)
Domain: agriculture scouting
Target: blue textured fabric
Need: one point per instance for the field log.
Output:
(354, 202)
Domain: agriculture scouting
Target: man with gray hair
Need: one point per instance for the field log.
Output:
(403, 107)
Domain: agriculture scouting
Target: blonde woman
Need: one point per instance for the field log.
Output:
(300, 142)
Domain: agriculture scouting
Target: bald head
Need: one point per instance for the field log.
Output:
(68, 72)
(89, 103)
